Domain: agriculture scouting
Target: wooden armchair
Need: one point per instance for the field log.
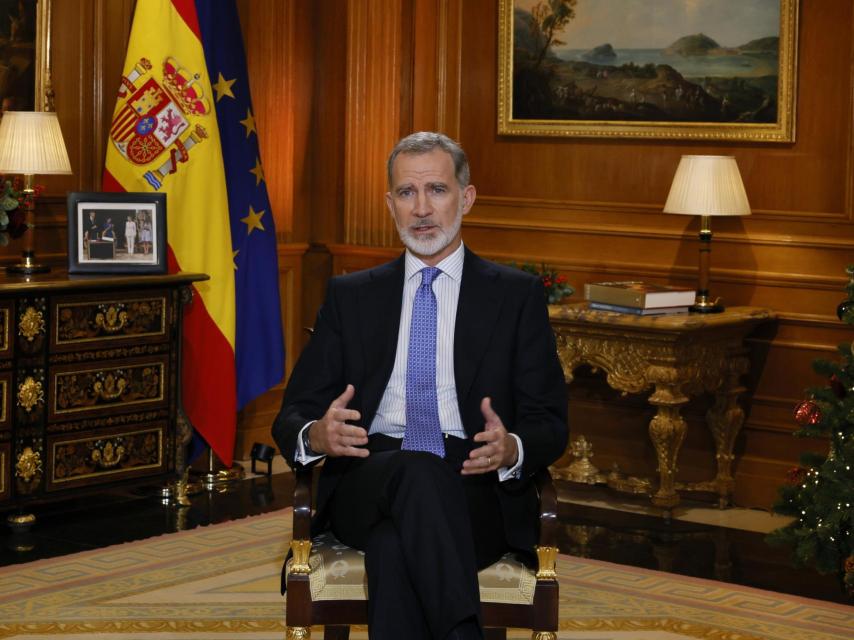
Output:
(327, 584)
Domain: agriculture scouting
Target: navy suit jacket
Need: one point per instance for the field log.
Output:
(504, 348)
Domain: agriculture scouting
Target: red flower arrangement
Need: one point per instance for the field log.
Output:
(556, 285)
(13, 203)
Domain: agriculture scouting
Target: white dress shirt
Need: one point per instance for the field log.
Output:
(390, 418)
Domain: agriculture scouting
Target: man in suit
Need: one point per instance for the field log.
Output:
(432, 388)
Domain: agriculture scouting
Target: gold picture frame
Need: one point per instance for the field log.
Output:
(44, 85)
(584, 93)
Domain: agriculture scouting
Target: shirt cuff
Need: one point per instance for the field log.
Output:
(514, 472)
(301, 457)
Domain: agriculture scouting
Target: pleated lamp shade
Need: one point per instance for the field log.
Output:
(31, 144)
(707, 186)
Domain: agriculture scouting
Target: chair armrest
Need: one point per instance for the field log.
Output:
(547, 547)
(548, 508)
(301, 542)
(302, 503)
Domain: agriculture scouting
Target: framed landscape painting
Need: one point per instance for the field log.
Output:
(683, 69)
(24, 54)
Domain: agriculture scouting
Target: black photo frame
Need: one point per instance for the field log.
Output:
(117, 233)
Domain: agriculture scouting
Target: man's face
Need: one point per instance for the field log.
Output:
(428, 204)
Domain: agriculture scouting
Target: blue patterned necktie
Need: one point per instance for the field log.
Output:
(423, 430)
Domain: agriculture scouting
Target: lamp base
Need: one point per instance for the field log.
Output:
(704, 306)
(27, 269)
(28, 266)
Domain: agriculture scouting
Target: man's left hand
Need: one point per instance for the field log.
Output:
(498, 446)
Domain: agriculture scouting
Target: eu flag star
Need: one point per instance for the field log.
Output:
(258, 170)
(249, 123)
(222, 87)
(253, 220)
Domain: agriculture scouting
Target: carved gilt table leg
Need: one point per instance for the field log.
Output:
(725, 419)
(667, 431)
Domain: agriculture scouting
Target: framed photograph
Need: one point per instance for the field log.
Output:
(117, 233)
(682, 69)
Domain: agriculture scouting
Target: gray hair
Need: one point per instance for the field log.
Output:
(425, 142)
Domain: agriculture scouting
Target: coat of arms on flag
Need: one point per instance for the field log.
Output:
(156, 114)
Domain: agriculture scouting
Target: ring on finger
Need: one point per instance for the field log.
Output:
(488, 461)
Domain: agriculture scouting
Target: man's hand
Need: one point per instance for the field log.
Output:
(332, 436)
(499, 447)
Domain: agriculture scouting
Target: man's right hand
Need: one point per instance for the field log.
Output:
(331, 435)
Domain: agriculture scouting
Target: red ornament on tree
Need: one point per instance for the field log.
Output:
(796, 475)
(807, 413)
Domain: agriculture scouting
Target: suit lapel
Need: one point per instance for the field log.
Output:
(379, 321)
(477, 312)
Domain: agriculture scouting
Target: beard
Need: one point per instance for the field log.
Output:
(433, 243)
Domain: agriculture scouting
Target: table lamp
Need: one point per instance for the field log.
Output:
(707, 186)
(31, 143)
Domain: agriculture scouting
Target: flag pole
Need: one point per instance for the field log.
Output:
(217, 474)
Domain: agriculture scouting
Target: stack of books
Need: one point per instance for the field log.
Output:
(638, 298)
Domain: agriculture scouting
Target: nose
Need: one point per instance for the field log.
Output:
(422, 205)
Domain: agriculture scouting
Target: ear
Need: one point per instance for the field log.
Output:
(469, 195)
(389, 202)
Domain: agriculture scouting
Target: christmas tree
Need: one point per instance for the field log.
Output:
(819, 494)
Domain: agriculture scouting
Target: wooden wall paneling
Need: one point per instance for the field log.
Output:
(348, 258)
(328, 121)
(323, 204)
(592, 208)
(278, 83)
(595, 170)
(436, 73)
(111, 32)
(374, 83)
(849, 160)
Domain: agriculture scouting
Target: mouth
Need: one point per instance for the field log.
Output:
(422, 229)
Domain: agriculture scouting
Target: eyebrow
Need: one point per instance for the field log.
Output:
(427, 185)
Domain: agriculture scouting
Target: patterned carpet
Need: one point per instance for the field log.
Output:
(221, 582)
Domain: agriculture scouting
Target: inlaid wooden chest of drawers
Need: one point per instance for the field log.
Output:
(89, 382)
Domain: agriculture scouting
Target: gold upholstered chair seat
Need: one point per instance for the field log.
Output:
(327, 583)
(338, 573)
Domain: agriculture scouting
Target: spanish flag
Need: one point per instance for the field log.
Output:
(183, 125)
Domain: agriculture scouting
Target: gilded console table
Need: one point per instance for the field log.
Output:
(676, 357)
(89, 379)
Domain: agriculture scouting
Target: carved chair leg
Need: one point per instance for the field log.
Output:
(543, 635)
(298, 633)
(336, 632)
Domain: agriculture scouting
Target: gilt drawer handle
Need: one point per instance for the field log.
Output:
(29, 464)
(111, 319)
(31, 323)
(108, 453)
(109, 386)
(30, 393)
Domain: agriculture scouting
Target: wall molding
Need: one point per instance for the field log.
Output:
(480, 217)
(630, 207)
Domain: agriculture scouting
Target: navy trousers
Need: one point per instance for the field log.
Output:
(425, 529)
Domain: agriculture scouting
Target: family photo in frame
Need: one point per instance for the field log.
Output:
(703, 69)
(117, 233)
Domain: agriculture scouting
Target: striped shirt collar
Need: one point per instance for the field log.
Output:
(452, 266)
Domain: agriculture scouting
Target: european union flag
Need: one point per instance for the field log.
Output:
(259, 348)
